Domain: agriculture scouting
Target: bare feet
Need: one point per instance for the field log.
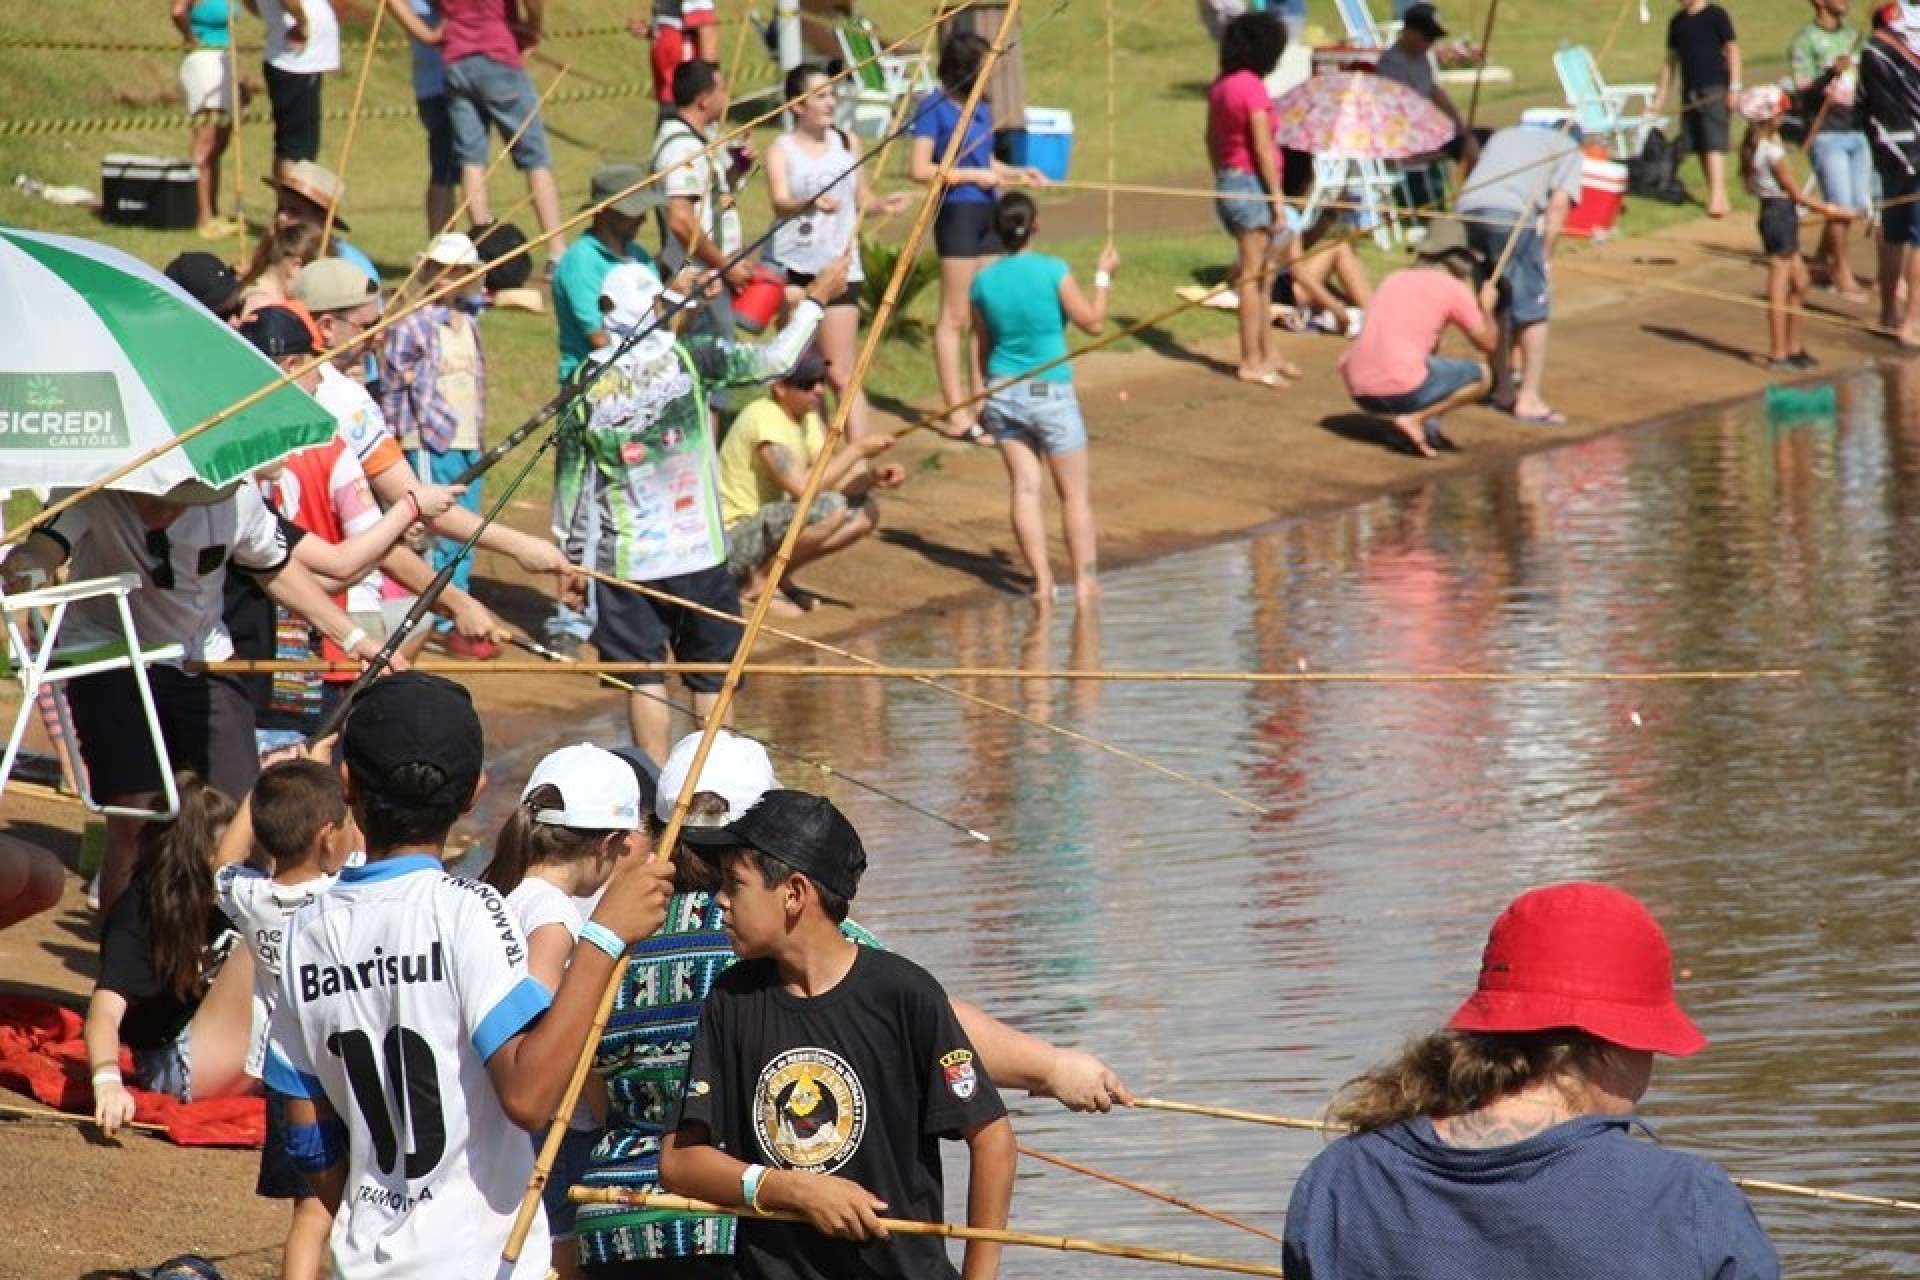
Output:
(1414, 429)
(1086, 591)
(1265, 378)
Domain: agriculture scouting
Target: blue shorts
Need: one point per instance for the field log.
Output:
(1044, 416)
(1523, 284)
(168, 1069)
(279, 1178)
(481, 91)
(1445, 375)
(1900, 210)
(637, 628)
(1247, 209)
(570, 1164)
(442, 170)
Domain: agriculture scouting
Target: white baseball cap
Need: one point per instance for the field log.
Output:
(737, 770)
(627, 296)
(597, 787)
(452, 250)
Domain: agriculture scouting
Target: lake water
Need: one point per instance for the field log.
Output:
(1257, 950)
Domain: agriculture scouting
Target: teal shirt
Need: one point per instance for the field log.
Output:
(576, 295)
(1019, 299)
(208, 19)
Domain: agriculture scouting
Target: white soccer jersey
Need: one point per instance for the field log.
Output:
(260, 907)
(396, 987)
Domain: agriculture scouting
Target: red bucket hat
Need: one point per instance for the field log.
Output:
(1580, 955)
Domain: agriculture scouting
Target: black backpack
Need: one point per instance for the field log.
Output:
(1655, 172)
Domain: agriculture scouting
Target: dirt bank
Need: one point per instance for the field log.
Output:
(1182, 455)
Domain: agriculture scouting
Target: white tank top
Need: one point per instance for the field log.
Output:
(810, 240)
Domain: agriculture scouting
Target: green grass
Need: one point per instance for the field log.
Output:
(1163, 65)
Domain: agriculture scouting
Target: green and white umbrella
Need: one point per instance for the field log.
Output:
(102, 359)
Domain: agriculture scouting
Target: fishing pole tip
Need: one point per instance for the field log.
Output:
(981, 836)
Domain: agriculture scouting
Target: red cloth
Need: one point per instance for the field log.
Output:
(43, 1055)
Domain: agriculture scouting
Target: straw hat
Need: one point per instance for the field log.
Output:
(316, 184)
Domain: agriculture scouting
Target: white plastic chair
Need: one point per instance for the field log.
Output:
(36, 666)
(869, 97)
(1374, 185)
(1606, 111)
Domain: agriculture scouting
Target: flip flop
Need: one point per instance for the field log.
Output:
(1271, 378)
(1436, 438)
(1551, 418)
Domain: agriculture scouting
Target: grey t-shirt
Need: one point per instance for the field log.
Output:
(1414, 70)
(1519, 168)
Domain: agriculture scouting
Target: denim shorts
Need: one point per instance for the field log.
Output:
(1523, 285)
(1445, 375)
(752, 540)
(1844, 163)
(1044, 416)
(1247, 208)
(279, 1177)
(481, 91)
(570, 1165)
(167, 1069)
(1779, 228)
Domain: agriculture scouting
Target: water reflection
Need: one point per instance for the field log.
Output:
(1220, 954)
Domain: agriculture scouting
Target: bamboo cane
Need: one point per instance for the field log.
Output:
(1072, 735)
(353, 121)
(1480, 73)
(1720, 295)
(1613, 32)
(1820, 1193)
(1229, 1113)
(819, 766)
(1147, 1191)
(1112, 112)
(451, 285)
(232, 54)
(723, 700)
(64, 1117)
(868, 670)
(952, 1231)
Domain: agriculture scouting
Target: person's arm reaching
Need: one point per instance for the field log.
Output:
(1017, 1060)
(112, 1105)
(991, 1156)
(413, 24)
(293, 586)
(535, 556)
(1090, 316)
(1732, 50)
(1558, 205)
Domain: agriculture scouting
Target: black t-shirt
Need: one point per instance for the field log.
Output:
(1699, 41)
(861, 1082)
(155, 1016)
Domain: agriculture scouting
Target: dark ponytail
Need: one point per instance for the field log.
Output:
(524, 844)
(1013, 220)
(176, 872)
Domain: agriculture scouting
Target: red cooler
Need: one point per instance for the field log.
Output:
(1603, 189)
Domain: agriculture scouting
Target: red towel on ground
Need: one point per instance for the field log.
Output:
(43, 1055)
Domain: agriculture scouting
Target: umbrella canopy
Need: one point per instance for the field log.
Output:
(102, 358)
(1359, 116)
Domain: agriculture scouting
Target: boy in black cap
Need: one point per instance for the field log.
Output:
(412, 1043)
(837, 1064)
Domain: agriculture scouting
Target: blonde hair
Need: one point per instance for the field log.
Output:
(1451, 1073)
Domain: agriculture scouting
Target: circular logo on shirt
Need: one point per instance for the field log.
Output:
(809, 1110)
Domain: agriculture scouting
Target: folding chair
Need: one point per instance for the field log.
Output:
(1606, 111)
(879, 80)
(36, 667)
(1374, 185)
(1362, 31)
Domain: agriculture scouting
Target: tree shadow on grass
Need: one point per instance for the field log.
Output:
(990, 568)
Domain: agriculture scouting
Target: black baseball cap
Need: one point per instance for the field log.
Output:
(278, 332)
(645, 772)
(1425, 19)
(414, 718)
(810, 368)
(803, 830)
(212, 282)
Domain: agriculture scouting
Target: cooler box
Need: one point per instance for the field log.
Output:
(1603, 189)
(1047, 144)
(149, 191)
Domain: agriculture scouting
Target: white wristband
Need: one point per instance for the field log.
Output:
(1103, 279)
(105, 1074)
(353, 638)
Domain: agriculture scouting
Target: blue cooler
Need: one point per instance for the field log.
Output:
(1047, 144)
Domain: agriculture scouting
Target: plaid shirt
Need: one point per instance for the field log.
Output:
(410, 380)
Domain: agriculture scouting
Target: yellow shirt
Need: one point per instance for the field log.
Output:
(747, 483)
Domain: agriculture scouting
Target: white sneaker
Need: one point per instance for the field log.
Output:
(1354, 318)
(93, 892)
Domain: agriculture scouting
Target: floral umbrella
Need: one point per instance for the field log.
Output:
(1359, 116)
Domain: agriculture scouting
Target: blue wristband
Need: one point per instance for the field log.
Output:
(314, 1148)
(750, 1185)
(604, 938)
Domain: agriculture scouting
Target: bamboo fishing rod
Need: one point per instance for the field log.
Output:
(821, 767)
(1750, 1184)
(449, 286)
(874, 670)
(9, 1111)
(232, 56)
(723, 699)
(1151, 1193)
(912, 1227)
(962, 695)
(1480, 72)
(353, 122)
(1720, 295)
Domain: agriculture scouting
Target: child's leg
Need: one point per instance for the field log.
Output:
(1798, 284)
(305, 1255)
(1779, 295)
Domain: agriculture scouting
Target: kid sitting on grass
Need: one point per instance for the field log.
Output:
(837, 1064)
(297, 814)
(1763, 166)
